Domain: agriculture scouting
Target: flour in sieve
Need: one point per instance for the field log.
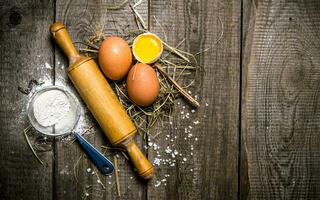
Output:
(53, 107)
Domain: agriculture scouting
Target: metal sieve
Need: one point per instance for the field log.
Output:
(103, 164)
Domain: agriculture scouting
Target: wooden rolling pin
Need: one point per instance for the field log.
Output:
(101, 100)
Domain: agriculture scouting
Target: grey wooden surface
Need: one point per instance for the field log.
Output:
(257, 136)
(25, 48)
(211, 168)
(282, 115)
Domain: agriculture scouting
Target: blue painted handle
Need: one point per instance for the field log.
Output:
(103, 164)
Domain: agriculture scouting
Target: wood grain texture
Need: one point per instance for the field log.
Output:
(278, 137)
(210, 170)
(25, 49)
(248, 22)
(83, 19)
(282, 113)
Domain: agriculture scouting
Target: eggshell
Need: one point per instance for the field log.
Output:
(115, 57)
(147, 48)
(143, 84)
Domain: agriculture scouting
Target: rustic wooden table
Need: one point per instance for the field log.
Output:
(258, 136)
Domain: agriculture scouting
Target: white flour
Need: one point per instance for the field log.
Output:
(53, 107)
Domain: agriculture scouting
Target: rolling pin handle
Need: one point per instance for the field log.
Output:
(60, 34)
(144, 167)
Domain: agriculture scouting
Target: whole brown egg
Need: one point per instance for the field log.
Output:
(115, 57)
(143, 84)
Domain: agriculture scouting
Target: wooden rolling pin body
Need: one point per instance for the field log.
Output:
(101, 100)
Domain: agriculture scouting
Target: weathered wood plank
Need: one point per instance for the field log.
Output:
(25, 49)
(248, 21)
(282, 101)
(82, 19)
(210, 167)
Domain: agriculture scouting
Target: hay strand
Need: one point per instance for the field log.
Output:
(99, 180)
(25, 131)
(75, 168)
(184, 93)
(138, 16)
(116, 168)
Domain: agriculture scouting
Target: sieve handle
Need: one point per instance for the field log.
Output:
(103, 164)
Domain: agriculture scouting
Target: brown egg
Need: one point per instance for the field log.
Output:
(143, 84)
(115, 57)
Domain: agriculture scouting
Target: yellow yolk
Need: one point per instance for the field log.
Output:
(147, 48)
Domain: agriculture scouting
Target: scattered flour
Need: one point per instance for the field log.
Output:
(47, 65)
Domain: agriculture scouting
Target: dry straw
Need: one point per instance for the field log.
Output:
(25, 132)
(174, 65)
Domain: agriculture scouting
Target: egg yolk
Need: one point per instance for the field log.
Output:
(147, 48)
